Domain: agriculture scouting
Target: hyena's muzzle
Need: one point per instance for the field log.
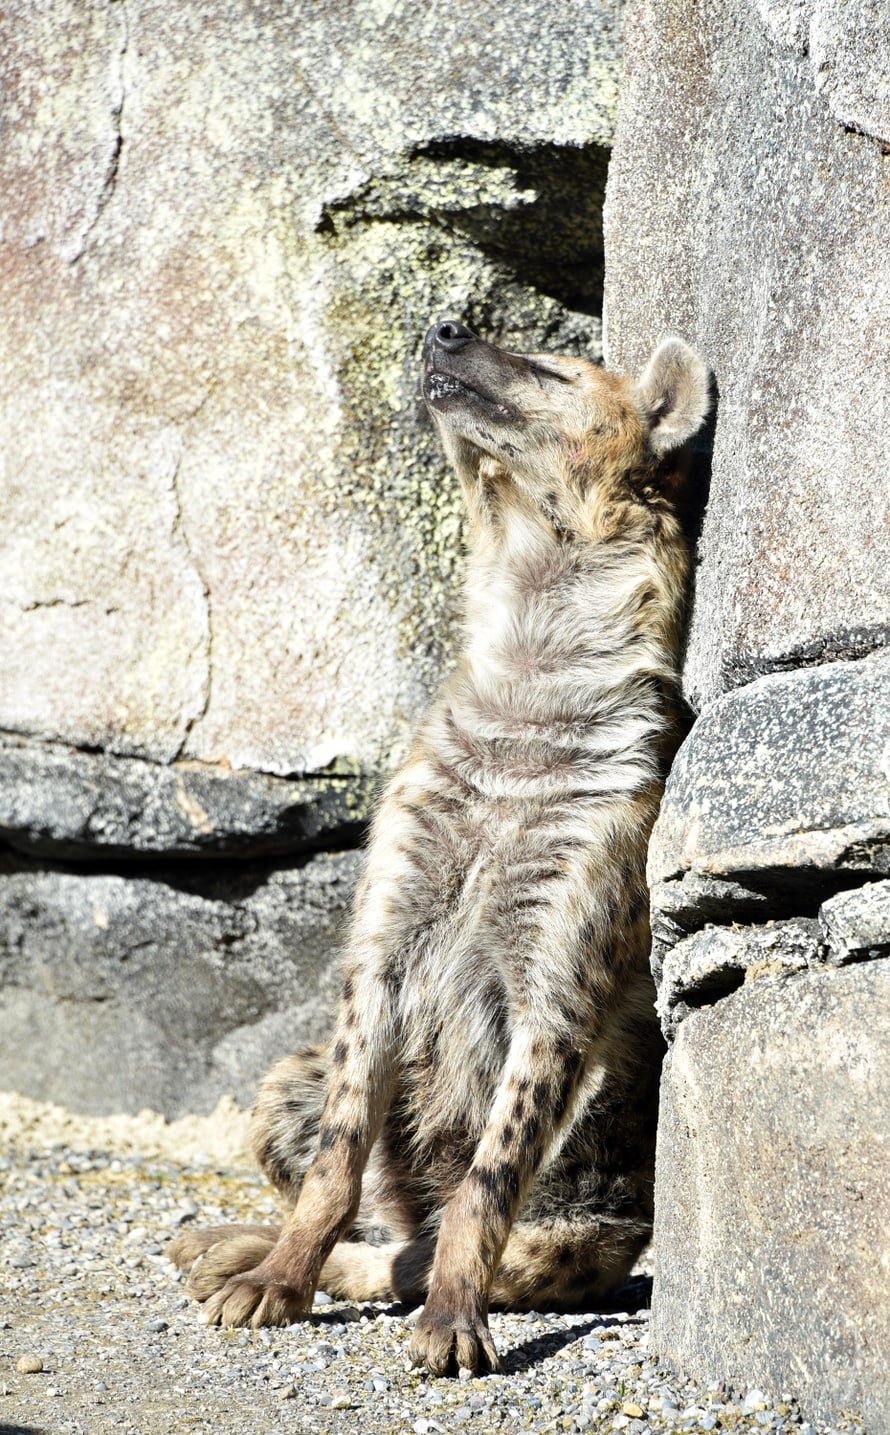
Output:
(460, 370)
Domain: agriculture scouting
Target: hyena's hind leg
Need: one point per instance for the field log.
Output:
(286, 1119)
(557, 1265)
(565, 1264)
(355, 1270)
(214, 1253)
(283, 1133)
(395, 1271)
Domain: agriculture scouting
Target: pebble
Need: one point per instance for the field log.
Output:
(29, 1364)
(98, 1292)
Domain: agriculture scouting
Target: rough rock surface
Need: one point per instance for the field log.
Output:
(848, 47)
(857, 923)
(773, 1174)
(774, 1192)
(228, 533)
(748, 206)
(783, 787)
(120, 991)
(698, 970)
(230, 547)
(64, 803)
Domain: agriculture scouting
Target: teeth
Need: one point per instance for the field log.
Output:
(440, 386)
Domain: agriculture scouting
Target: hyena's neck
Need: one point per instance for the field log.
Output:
(570, 649)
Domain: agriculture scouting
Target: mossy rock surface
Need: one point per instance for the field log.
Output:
(228, 532)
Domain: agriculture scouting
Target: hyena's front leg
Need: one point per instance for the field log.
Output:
(280, 1289)
(535, 1094)
(391, 906)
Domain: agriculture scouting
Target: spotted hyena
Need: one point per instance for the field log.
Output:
(480, 1129)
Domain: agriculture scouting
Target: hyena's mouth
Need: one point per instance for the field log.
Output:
(442, 390)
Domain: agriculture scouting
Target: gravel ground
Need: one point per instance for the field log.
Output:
(96, 1333)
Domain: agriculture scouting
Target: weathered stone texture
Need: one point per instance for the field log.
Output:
(698, 970)
(784, 784)
(848, 47)
(768, 866)
(856, 924)
(744, 212)
(230, 547)
(63, 803)
(164, 990)
(748, 207)
(228, 533)
(773, 1192)
(778, 801)
(701, 969)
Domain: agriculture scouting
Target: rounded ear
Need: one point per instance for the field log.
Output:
(673, 392)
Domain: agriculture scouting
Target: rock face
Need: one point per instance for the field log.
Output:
(164, 989)
(228, 531)
(771, 926)
(773, 1209)
(747, 208)
(230, 548)
(779, 797)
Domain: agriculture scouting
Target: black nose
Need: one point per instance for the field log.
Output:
(450, 335)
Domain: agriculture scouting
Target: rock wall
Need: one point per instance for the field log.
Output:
(230, 551)
(748, 212)
(748, 207)
(229, 545)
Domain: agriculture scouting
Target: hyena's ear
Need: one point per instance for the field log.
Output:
(673, 390)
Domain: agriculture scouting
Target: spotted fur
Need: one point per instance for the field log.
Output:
(481, 1127)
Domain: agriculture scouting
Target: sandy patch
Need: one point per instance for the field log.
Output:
(219, 1139)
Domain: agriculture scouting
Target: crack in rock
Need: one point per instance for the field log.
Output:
(117, 87)
(178, 533)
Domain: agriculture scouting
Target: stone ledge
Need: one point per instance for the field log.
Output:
(700, 969)
(60, 802)
(785, 781)
(776, 812)
(707, 966)
(857, 924)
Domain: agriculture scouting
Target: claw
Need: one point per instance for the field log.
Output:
(248, 1300)
(223, 1261)
(446, 1344)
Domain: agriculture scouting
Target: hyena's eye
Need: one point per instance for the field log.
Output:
(541, 371)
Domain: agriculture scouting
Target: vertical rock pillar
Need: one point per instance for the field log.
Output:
(747, 209)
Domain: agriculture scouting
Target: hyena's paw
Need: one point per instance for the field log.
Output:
(185, 1248)
(231, 1256)
(253, 1299)
(446, 1342)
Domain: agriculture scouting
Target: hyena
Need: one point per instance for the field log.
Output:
(480, 1129)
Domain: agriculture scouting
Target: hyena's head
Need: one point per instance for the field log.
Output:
(560, 436)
